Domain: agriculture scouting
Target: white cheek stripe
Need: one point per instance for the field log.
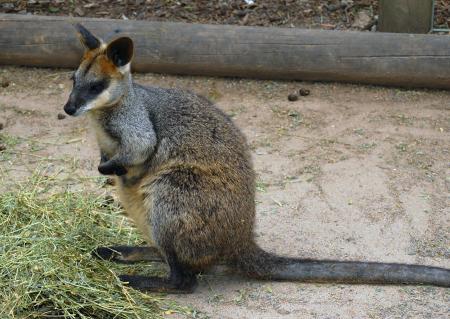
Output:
(100, 101)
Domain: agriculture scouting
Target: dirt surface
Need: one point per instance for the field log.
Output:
(348, 172)
(330, 14)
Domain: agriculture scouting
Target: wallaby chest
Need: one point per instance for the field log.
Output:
(137, 206)
(106, 142)
(137, 203)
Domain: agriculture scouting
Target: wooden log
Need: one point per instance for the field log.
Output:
(221, 50)
(406, 16)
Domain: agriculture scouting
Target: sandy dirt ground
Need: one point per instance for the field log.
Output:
(349, 172)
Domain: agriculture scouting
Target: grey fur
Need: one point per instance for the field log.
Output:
(129, 124)
(189, 185)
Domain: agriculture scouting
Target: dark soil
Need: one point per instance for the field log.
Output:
(330, 14)
(442, 14)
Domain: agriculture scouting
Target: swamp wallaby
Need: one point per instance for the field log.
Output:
(185, 178)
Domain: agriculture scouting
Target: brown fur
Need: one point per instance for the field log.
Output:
(137, 207)
(197, 195)
(99, 64)
(193, 193)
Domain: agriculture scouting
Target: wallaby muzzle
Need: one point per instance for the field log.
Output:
(73, 105)
(69, 108)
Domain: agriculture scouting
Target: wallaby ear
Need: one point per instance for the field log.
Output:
(120, 51)
(90, 41)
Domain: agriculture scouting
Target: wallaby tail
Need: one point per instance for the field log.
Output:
(260, 264)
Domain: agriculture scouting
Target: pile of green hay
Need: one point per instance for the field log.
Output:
(46, 267)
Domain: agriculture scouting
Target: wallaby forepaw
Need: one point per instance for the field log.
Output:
(103, 158)
(106, 169)
(109, 168)
(120, 170)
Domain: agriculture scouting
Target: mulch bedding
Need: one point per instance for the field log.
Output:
(331, 14)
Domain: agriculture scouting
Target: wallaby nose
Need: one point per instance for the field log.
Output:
(69, 108)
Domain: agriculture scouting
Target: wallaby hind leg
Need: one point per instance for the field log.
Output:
(182, 279)
(128, 254)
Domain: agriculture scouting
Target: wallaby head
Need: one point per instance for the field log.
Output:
(103, 76)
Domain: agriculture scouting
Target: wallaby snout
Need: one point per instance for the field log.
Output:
(75, 105)
(70, 108)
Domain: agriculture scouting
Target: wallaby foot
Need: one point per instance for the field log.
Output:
(180, 281)
(128, 254)
(158, 284)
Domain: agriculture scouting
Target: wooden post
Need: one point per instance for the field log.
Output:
(406, 16)
(411, 60)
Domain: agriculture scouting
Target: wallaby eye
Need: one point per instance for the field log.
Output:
(97, 88)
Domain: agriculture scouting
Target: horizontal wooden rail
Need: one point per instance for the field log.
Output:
(410, 60)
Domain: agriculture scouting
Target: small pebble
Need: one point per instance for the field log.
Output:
(293, 97)
(304, 92)
(61, 116)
